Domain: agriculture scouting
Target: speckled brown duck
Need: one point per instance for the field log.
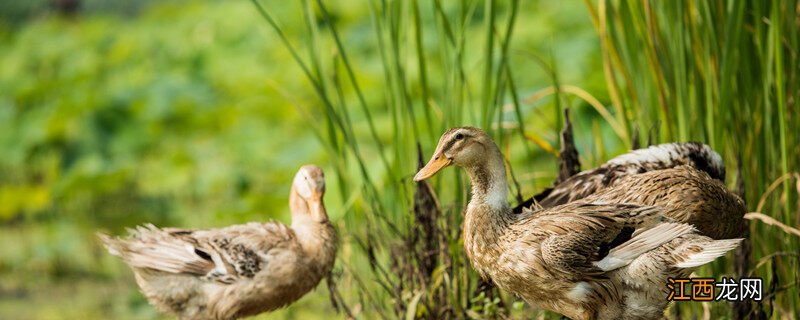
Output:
(654, 158)
(236, 271)
(684, 179)
(583, 260)
(686, 195)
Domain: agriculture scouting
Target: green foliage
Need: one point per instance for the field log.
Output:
(197, 115)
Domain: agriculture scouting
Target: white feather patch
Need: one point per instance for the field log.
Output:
(579, 291)
(642, 243)
(661, 152)
(497, 199)
(301, 185)
(710, 252)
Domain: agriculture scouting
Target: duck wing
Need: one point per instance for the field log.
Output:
(222, 255)
(687, 195)
(586, 240)
(658, 157)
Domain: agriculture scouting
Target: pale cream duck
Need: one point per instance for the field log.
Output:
(235, 271)
(583, 260)
(685, 179)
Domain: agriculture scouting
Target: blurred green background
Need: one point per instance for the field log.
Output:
(194, 114)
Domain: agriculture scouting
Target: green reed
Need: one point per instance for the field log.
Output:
(725, 73)
(722, 73)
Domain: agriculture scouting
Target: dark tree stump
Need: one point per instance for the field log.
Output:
(568, 161)
(635, 138)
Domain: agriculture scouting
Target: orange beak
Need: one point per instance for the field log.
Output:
(437, 163)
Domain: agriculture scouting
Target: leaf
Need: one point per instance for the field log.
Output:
(411, 312)
(532, 137)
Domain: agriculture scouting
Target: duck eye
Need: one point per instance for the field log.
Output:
(459, 136)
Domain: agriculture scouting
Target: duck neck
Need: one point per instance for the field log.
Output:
(314, 231)
(488, 213)
(489, 184)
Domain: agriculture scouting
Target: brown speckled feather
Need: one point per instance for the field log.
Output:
(545, 255)
(686, 195)
(223, 255)
(653, 158)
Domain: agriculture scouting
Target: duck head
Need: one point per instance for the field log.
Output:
(305, 199)
(464, 147)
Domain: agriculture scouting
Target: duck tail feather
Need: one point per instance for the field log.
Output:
(641, 243)
(711, 250)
